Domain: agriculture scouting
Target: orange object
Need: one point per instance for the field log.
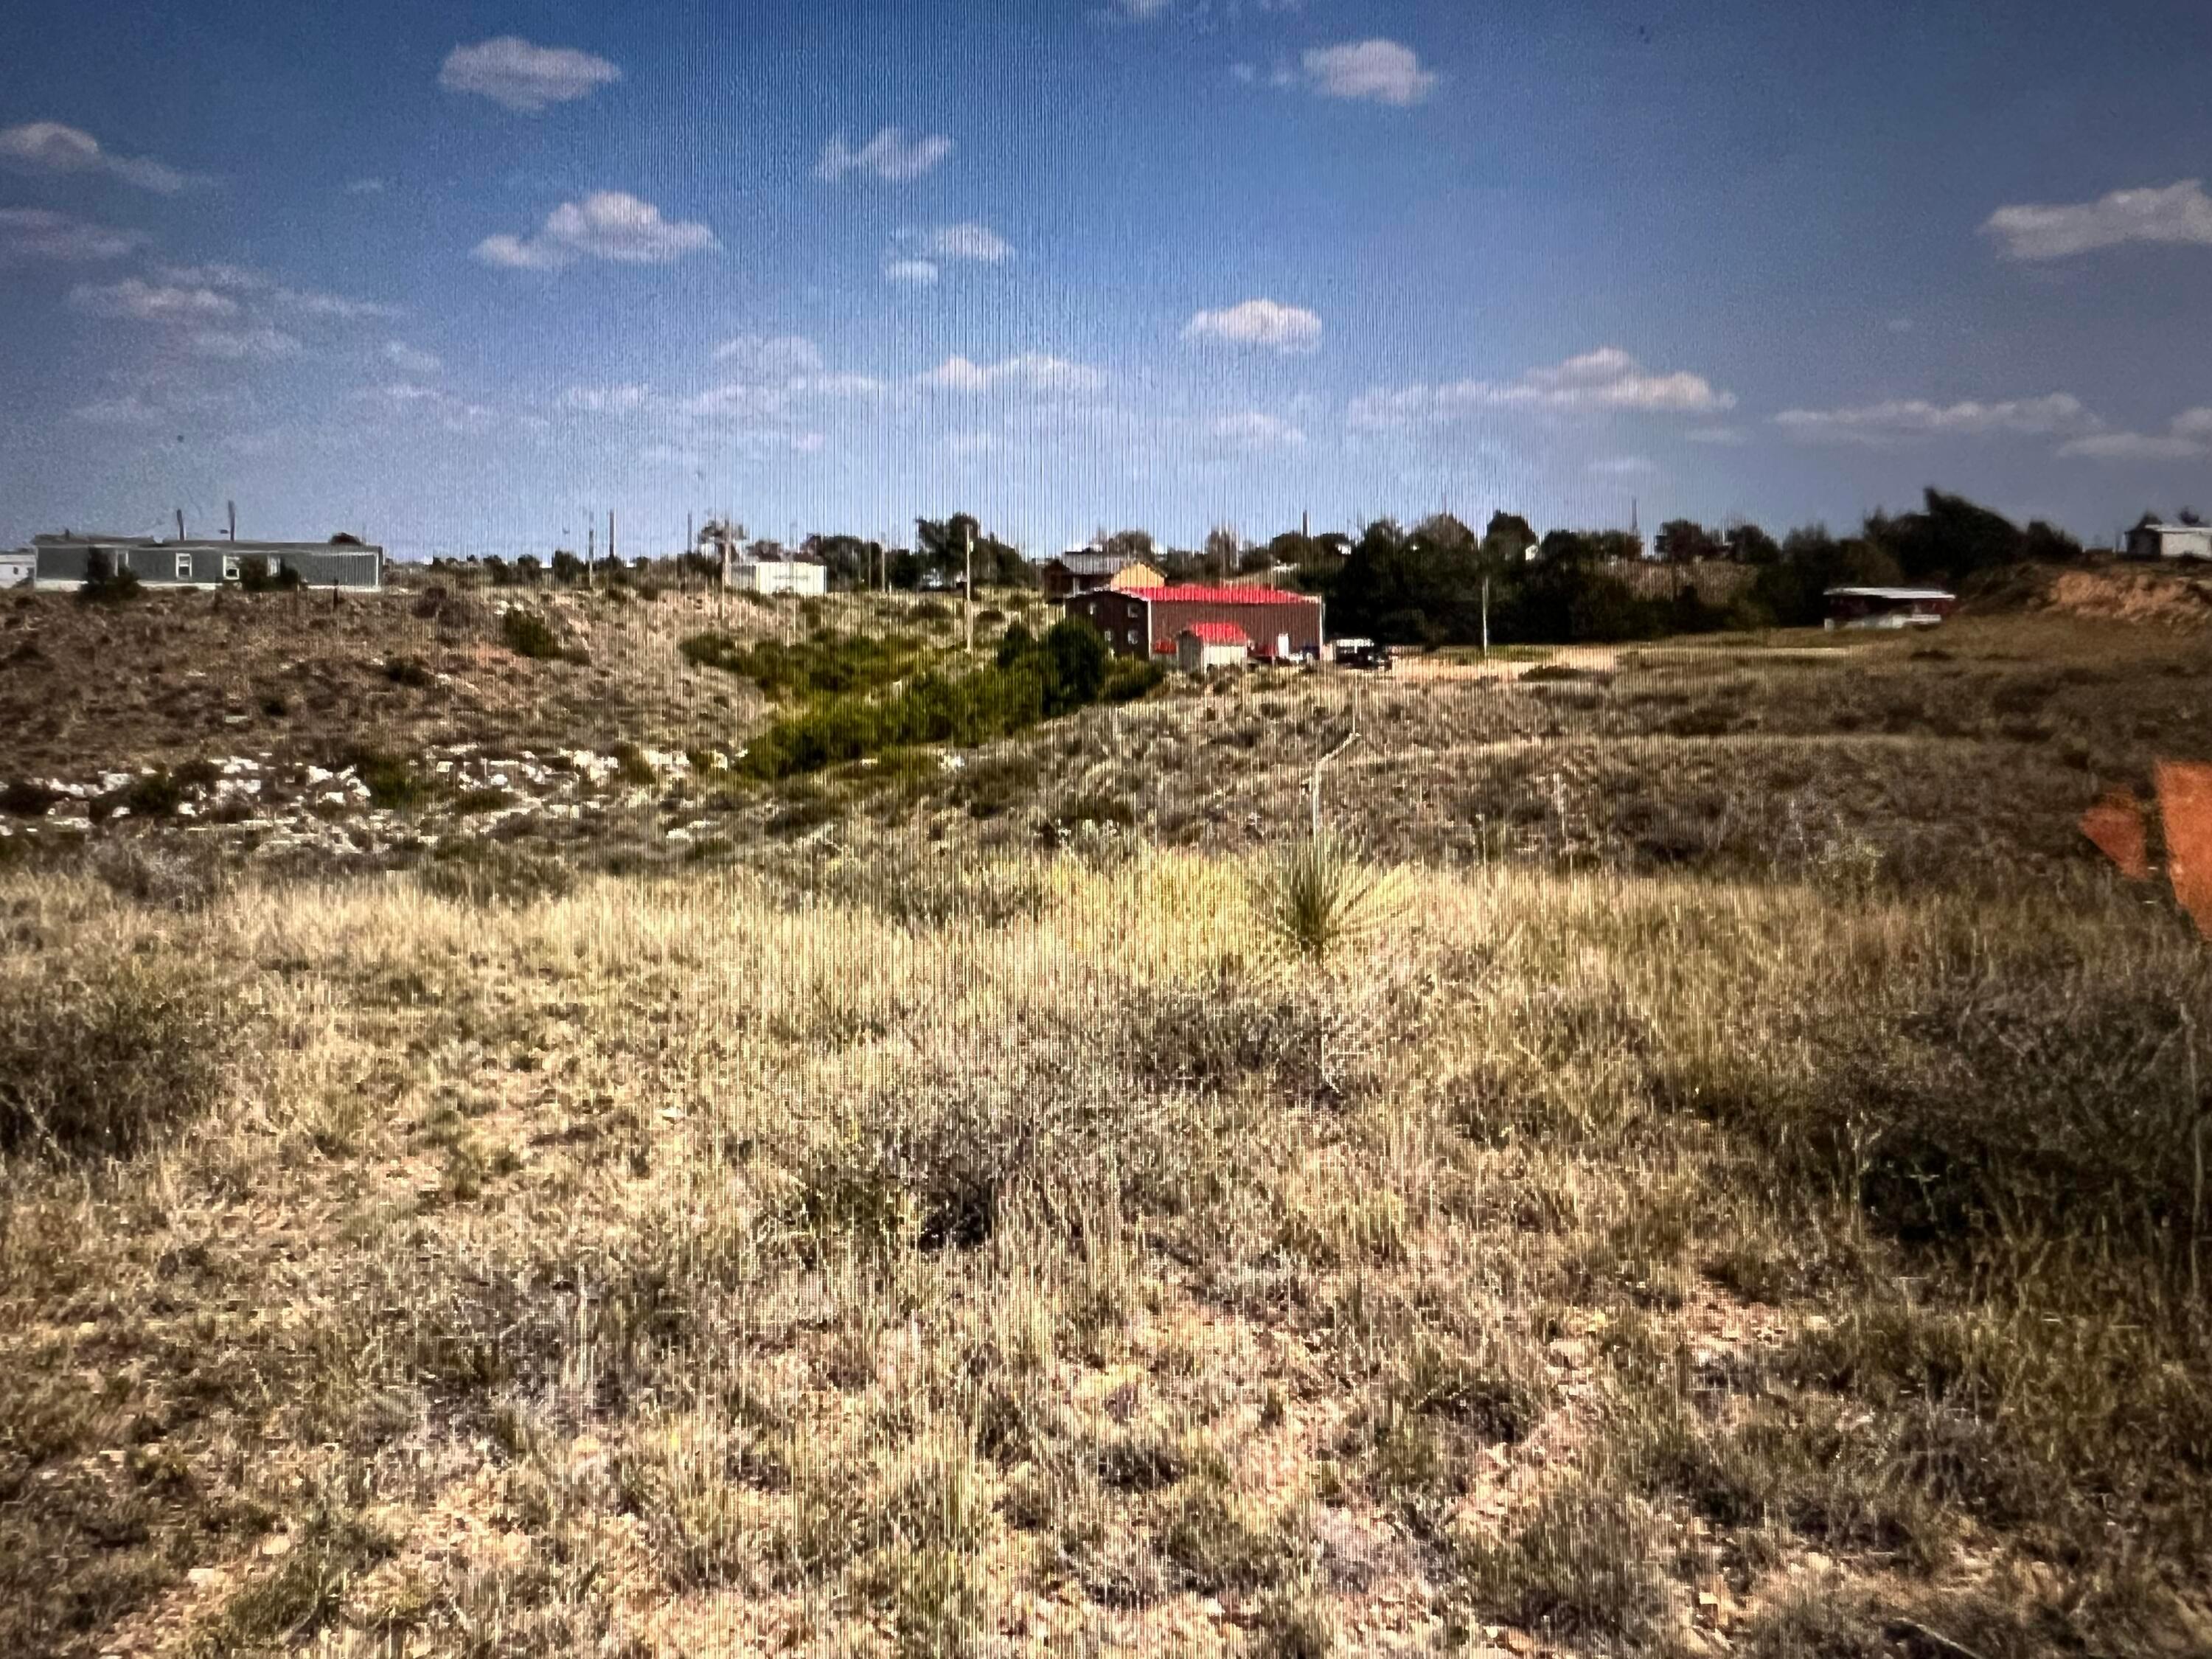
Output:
(2116, 825)
(2185, 799)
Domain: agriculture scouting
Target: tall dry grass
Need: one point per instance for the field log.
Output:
(760, 1258)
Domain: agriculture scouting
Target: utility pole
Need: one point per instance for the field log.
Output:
(233, 507)
(968, 606)
(614, 559)
(181, 524)
(591, 551)
(1485, 619)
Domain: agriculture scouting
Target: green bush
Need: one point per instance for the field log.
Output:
(826, 663)
(1030, 680)
(101, 1058)
(27, 797)
(392, 781)
(529, 634)
(110, 587)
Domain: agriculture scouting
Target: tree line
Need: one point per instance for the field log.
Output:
(1435, 582)
(1429, 585)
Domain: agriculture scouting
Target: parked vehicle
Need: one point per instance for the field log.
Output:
(1363, 653)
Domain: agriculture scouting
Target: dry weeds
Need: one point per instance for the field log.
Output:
(750, 1262)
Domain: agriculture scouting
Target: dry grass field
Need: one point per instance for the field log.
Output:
(1736, 1182)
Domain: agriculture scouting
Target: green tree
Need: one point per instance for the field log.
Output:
(1509, 538)
(1685, 541)
(1746, 543)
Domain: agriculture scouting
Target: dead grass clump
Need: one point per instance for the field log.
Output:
(493, 872)
(927, 893)
(939, 1164)
(1307, 1042)
(103, 1058)
(301, 1596)
(1216, 1539)
(159, 876)
(1583, 1568)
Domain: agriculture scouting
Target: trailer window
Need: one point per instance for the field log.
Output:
(184, 566)
(229, 567)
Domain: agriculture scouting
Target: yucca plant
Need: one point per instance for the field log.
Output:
(1322, 894)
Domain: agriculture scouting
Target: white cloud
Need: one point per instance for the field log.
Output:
(913, 273)
(140, 301)
(302, 303)
(334, 307)
(367, 186)
(605, 399)
(607, 224)
(237, 345)
(888, 156)
(1262, 323)
(48, 147)
(1609, 377)
(1142, 11)
(1031, 371)
(971, 240)
(42, 234)
(1605, 381)
(411, 360)
(2187, 437)
(839, 385)
(511, 71)
(772, 377)
(1727, 436)
(1623, 466)
(1914, 417)
(761, 357)
(1381, 70)
(129, 410)
(2178, 214)
(965, 446)
(1253, 432)
(452, 414)
(2131, 447)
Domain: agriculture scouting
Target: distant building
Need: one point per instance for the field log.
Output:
(2152, 539)
(18, 566)
(1083, 570)
(779, 576)
(1147, 622)
(1209, 645)
(65, 562)
(1889, 607)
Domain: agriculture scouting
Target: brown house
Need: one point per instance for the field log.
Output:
(1083, 572)
(1281, 626)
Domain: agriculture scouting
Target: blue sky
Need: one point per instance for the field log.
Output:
(463, 277)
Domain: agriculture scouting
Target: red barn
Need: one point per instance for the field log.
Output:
(1282, 626)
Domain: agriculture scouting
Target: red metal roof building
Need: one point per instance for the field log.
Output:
(1280, 625)
(1218, 632)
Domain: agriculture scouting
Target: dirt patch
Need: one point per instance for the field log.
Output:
(2167, 598)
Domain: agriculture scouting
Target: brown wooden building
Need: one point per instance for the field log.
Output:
(1282, 626)
(1081, 571)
